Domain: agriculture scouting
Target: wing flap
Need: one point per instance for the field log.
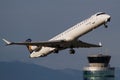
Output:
(86, 45)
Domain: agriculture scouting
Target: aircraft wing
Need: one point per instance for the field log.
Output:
(56, 43)
(86, 45)
(42, 43)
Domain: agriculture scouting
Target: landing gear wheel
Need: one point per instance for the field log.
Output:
(56, 51)
(72, 51)
(106, 26)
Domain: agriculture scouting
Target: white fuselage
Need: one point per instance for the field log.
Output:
(74, 32)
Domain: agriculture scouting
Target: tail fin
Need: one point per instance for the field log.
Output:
(30, 48)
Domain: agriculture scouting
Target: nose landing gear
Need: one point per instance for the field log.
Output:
(106, 26)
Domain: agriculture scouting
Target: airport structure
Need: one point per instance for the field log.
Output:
(99, 68)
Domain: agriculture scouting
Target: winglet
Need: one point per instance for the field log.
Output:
(7, 42)
(100, 44)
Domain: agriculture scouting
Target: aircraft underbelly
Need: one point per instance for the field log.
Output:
(43, 52)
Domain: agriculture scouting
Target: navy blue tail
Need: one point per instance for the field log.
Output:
(29, 46)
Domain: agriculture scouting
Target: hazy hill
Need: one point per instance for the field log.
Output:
(27, 71)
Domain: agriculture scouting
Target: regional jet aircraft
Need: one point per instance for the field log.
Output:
(66, 39)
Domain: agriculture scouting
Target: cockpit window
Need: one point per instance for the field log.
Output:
(100, 13)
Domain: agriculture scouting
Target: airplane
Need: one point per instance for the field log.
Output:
(67, 39)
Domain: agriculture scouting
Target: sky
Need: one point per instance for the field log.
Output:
(41, 20)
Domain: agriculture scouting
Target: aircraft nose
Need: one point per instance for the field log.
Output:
(108, 18)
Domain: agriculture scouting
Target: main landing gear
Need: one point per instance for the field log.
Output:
(72, 51)
(56, 51)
